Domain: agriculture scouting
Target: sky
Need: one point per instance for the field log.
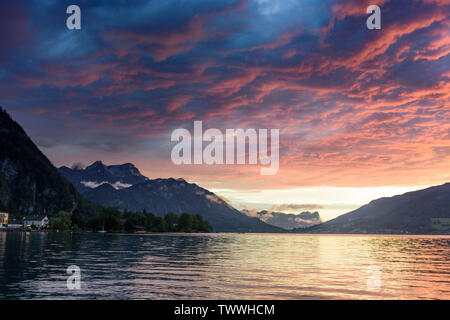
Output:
(362, 113)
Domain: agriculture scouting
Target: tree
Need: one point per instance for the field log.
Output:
(202, 225)
(134, 219)
(169, 223)
(76, 218)
(160, 225)
(109, 218)
(186, 223)
(61, 221)
(172, 221)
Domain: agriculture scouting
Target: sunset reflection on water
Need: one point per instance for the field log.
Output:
(225, 266)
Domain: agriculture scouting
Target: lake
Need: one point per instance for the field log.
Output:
(224, 266)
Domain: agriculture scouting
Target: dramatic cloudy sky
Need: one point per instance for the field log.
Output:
(362, 113)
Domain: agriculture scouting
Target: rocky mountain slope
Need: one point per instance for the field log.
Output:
(421, 212)
(29, 183)
(159, 196)
(287, 221)
(119, 176)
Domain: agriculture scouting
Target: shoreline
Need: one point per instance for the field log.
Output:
(5, 230)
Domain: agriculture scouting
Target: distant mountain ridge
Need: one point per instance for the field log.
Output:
(29, 183)
(159, 196)
(287, 221)
(119, 176)
(425, 211)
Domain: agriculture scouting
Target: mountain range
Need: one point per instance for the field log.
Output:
(118, 176)
(425, 211)
(30, 184)
(287, 221)
(125, 187)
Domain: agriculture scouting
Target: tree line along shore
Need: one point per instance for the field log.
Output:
(111, 219)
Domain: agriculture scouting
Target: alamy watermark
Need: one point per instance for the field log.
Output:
(227, 148)
(73, 21)
(373, 278)
(74, 280)
(374, 20)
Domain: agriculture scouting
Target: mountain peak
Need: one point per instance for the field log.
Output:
(129, 164)
(124, 170)
(96, 164)
(119, 176)
(29, 182)
(160, 196)
(286, 221)
(8, 124)
(421, 212)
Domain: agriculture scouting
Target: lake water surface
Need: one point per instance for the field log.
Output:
(225, 266)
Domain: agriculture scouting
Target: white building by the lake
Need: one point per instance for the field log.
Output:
(36, 221)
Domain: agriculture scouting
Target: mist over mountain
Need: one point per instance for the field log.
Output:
(101, 183)
(425, 211)
(287, 221)
(118, 176)
(29, 183)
